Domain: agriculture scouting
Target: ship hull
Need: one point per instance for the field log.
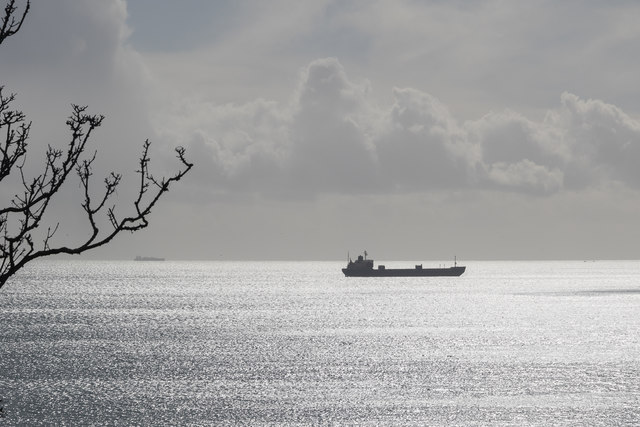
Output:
(405, 272)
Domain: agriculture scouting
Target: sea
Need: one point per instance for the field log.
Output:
(536, 343)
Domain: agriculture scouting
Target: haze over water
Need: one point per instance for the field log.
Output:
(273, 343)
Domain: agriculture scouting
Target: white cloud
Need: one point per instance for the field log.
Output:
(602, 137)
(525, 175)
(332, 137)
(423, 148)
(331, 133)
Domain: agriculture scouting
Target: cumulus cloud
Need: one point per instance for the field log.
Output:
(332, 137)
(525, 175)
(604, 140)
(421, 147)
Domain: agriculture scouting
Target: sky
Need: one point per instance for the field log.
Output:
(417, 130)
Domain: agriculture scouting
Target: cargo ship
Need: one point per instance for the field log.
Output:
(363, 267)
(147, 258)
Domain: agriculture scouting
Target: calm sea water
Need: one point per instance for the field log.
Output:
(226, 343)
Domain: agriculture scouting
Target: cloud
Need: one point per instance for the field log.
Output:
(333, 137)
(517, 153)
(525, 175)
(81, 48)
(330, 135)
(331, 131)
(604, 140)
(422, 147)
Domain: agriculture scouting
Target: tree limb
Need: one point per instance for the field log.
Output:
(18, 248)
(11, 23)
(21, 219)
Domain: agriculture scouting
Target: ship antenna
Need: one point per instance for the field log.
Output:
(455, 261)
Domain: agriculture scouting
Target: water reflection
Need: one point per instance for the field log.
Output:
(287, 343)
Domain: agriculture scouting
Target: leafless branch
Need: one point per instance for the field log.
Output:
(12, 22)
(23, 237)
(17, 248)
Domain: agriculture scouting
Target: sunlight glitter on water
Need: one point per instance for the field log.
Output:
(528, 343)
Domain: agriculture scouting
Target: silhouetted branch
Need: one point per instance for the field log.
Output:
(21, 219)
(11, 23)
(27, 209)
(16, 135)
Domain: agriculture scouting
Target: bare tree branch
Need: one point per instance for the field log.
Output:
(16, 134)
(23, 237)
(12, 22)
(17, 248)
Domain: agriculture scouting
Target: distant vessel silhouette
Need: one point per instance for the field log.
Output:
(147, 258)
(363, 267)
